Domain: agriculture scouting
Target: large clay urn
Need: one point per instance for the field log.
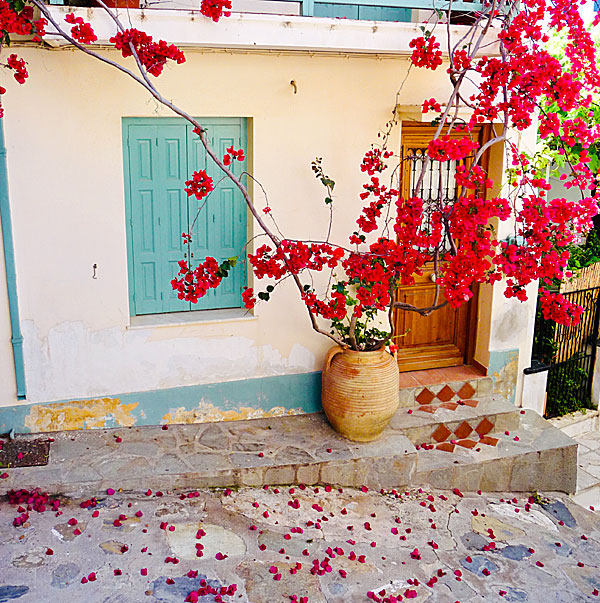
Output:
(359, 392)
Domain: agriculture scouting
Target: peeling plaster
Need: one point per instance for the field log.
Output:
(75, 362)
(208, 413)
(82, 414)
(504, 370)
(278, 395)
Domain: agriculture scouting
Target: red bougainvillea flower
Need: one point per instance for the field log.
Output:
(215, 9)
(426, 52)
(81, 31)
(199, 185)
(14, 62)
(153, 55)
(248, 298)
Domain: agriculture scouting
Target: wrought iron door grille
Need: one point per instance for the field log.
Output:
(438, 183)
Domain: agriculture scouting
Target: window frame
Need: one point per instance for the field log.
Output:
(125, 123)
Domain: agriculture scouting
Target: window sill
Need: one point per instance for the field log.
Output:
(198, 317)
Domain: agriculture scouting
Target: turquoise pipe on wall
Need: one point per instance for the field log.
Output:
(11, 274)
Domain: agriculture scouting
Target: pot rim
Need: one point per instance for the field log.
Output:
(380, 351)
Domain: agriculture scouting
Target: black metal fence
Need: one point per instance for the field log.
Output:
(568, 354)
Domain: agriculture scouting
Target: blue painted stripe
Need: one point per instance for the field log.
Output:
(459, 6)
(300, 391)
(11, 274)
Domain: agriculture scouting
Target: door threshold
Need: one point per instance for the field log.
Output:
(440, 375)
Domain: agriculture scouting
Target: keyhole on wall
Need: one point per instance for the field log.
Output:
(94, 267)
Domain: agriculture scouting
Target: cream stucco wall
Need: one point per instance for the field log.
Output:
(63, 135)
(66, 192)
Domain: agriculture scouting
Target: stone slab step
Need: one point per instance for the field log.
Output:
(534, 456)
(304, 449)
(578, 423)
(588, 469)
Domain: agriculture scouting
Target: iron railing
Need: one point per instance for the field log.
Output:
(568, 354)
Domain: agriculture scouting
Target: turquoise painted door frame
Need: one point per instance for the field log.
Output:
(160, 154)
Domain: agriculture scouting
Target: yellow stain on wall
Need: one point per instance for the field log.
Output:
(505, 381)
(207, 413)
(81, 414)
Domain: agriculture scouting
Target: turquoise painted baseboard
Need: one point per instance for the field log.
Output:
(230, 400)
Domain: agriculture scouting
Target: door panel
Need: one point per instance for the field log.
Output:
(442, 338)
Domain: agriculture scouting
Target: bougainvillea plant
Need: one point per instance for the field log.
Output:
(500, 69)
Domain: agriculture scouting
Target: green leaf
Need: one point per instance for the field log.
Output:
(232, 261)
(270, 288)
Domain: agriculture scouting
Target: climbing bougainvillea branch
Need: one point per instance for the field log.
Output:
(511, 88)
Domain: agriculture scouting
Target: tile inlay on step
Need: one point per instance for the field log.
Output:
(464, 430)
(466, 391)
(484, 427)
(441, 433)
(446, 394)
(425, 397)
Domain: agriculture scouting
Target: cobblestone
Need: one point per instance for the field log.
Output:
(423, 545)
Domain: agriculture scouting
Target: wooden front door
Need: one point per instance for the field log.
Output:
(445, 337)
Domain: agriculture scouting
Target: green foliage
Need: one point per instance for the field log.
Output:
(566, 387)
(225, 266)
(585, 255)
(326, 181)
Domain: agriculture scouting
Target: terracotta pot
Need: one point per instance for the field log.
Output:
(359, 392)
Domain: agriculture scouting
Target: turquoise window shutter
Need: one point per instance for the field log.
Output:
(384, 13)
(341, 11)
(161, 155)
(362, 12)
(220, 221)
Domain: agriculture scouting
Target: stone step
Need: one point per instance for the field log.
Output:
(588, 469)
(518, 451)
(534, 456)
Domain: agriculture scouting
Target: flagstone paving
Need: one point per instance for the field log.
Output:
(327, 544)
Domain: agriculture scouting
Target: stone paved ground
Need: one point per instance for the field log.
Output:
(321, 543)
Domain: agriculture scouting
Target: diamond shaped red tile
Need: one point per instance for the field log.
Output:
(441, 433)
(449, 405)
(425, 397)
(488, 440)
(463, 430)
(445, 446)
(466, 391)
(467, 443)
(471, 403)
(446, 394)
(485, 426)
(427, 408)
